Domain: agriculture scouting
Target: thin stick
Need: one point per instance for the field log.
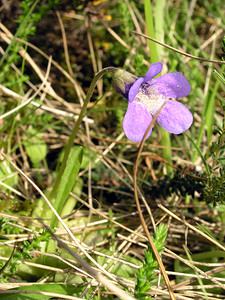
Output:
(215, 61)
(59, 112)
(65, 45)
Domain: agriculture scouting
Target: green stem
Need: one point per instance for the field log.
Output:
(153, 47)
(76, 128)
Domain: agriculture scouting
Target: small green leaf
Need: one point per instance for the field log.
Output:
(35, 147)
(7, 176)
(88, 156)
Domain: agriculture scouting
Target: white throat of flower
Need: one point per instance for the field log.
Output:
(151, 99)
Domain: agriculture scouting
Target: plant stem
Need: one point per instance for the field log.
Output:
(76, 128)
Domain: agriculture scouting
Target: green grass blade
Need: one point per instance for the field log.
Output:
(207, 117)
(68, 180)
(198, 151)
(150, 30)
(158, 32)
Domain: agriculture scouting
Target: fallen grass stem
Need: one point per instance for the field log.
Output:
(95, 274)
(213, 241)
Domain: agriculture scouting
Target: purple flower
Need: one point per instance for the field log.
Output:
(148, 94)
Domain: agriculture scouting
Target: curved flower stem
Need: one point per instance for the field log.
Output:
(75, 129)
(143, 223)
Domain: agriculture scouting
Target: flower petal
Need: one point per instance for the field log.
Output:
(175, 117)
(134, 89)
(153, 70)
(136, 121)
(172, 85)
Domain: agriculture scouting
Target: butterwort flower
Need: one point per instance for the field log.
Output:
(148, 96)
